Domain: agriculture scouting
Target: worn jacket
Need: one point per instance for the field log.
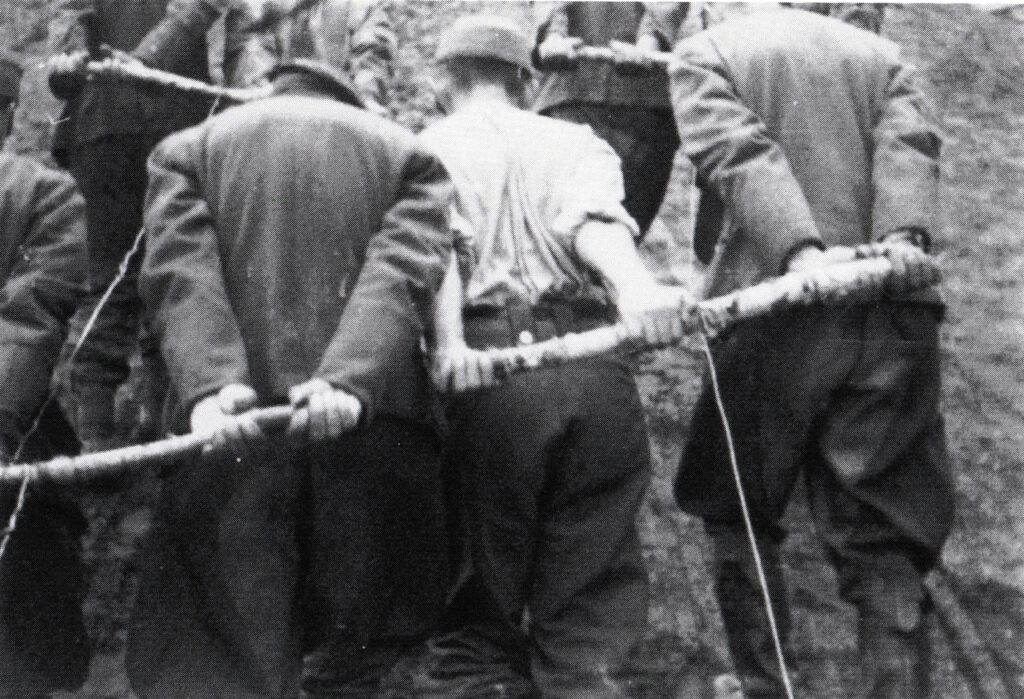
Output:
(42, 263)
(809, 131)
(597, 82)
(296, 237)
(165, 34)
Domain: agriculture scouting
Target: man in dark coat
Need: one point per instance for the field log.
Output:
(628, 108)
(110, 127)
(294, 248)
(43, 646)
(811, 135)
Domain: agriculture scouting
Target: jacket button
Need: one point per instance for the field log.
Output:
(526, 338)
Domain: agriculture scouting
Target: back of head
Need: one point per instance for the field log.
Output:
(486, 50)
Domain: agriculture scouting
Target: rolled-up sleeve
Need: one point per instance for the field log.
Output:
(592, 189)
(733, 153)
(181, 282)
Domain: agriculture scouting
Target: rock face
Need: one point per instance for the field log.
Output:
(973, 62)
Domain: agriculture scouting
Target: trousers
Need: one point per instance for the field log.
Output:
(252, 564)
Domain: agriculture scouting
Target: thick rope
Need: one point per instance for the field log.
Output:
(747, 522)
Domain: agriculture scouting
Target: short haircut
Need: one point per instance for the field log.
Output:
(467, 71)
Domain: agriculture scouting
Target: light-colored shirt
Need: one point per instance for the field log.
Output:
(525, 185)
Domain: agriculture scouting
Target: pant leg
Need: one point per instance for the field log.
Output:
(882, 497)
(775, 379)
(216, 611)
(378, 550)
(43, 644)
(111, 173)
(645, 140)
(589, 594)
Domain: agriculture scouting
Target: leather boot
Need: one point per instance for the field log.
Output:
(744, 616)
(894, 644)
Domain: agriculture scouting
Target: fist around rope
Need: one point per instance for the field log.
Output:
(322, 412)
(654, 313)
(223, 417)
(458, 368)
(558, 52)
(67, 73)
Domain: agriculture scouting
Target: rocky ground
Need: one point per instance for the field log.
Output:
(972, 60)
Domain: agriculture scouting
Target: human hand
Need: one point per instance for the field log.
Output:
(457, 368)
(629, 58)
(222, 416)
(66, 72)
(322, 412)
(559, 52)
(654, 312)
(117, 61)
(913, 268)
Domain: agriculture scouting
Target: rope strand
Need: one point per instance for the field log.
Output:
(122, 270)
(747, 523)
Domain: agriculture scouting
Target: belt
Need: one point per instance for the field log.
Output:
(517, 323)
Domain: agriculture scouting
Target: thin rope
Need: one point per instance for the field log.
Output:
(122, 270)
(761, 579)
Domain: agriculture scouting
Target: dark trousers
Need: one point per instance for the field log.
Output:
(551, 468)
(43, 645)
(252, 564)
(645, 140)
(111, 173)
(849, 398)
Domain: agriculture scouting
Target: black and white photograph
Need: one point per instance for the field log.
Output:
(480, 349)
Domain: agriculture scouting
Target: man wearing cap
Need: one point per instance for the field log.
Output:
(551, 464)
(813, 137)
(273, 275)
(626, 103)
(43, 646)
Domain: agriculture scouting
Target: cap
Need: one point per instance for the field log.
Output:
(486, 36)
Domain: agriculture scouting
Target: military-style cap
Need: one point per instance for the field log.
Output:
(486, 36)
(10, 77)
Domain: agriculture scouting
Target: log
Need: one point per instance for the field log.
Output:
(844, 283)
(79, 470)
(859, 281)
(601, 53)
(120, 70)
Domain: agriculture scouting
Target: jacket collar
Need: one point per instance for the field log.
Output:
(313, 78)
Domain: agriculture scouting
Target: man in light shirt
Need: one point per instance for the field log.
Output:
(552, 464)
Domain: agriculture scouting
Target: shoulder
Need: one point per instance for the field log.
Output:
(32, 179)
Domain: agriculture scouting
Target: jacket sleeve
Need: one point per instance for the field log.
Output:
(163, 46)
(373, 46)
(906, 158)
(70, 26)
(38, 299)
(734, 155)
(181, 282)
(378, 337)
